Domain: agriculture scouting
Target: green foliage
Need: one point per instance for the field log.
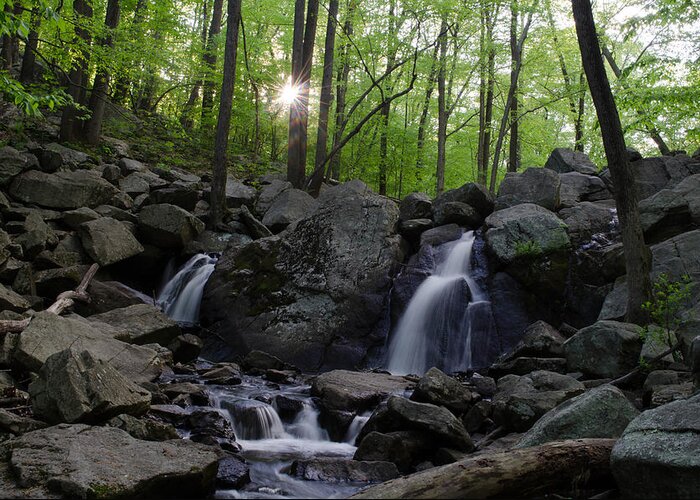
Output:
(527, 249)
(29, 102)
(669, 300)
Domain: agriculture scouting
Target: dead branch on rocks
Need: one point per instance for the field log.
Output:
(63, 302)
(629, 376)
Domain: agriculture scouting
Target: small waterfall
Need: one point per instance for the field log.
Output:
(355, 427)
(181, 296)
(306, 426)
(255, 420)
(445, 312)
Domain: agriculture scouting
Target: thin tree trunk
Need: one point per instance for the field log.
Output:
(7, 43)
(305, 84)
(486, 99)
(187, 118)
(578, 124)
(122, 85)
(218, 185)
(210, 62)
(515, 56)
(423, 121)
(257, 145)
(637, 255)
(98, 97)
(26, 74)
(442, 111)
(295, 173)
(326, 98)
(386, 107)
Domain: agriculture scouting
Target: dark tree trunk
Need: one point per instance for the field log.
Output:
(488, 61)
(326, 98)
(187, 118)
(423, 121)
(210, 63)
(26, 74)
(386, 107)
(578, 124)
(100, 89)
(442, 111)
(515, 61)
(7, 43)
(217, 207)
(637, 255)
(257, 144)
(122, 85)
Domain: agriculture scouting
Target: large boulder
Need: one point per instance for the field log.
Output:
(656, 457)
(108, 240)
(268, 193)
(437, 388)
(576, 187)
(12, 301)
(139, 324)
(588, 222)
(651, 175)
(339, 470)
(168, 226)
(62, 190)
(80, 461)
(564, 160)
(472, 194)
(318, 296)
(416, 206)
(184, 197)
(671, 211)
(290, 206)
(73, 386)
(599, 413)
(540, 186)
(356, 391)
(55, 156)
(48, 334)
(12, 163)
(606, 349)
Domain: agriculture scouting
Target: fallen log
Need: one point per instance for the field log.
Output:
(63, 302)
(564, 466)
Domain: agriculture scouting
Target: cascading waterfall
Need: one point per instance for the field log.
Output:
(440, 320)
(181, 296)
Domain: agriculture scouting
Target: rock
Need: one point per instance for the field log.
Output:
(268, 194)
(659, 378)
(523, 365)
(238, 194)
(62, 190)
(477, 416)
(116, 213)
(576, 187)
(277, 286)
(73, 386)
(654, 458)
(12, 163)
(356, 391)
(606, 349)
(55, 157)
(106, 296)
(50, 282)
(255, 228)
(168, 226)
(472, 194)
(539, 186)
(111, 173)
(415, 206)
(140, 324)
(209, 422)
(11, 301)
(185, 347)
(339, 470)
(413, 228)
(437, 388)
(107, 241)
(401, 448)
(694, 361)
(671, 211)
(599, 413)
(458, 213)
(130, 166)
(183, 197)
(74, 218)
(651, 175)
(16, 424)
(540, 339)
(289, 206)
(441, 234)
(563, 160)
(287, 408)
(233, 473)
(586, 220)
(144, 428)
(111, 464)
(197, 393)
(48, 334)
(666, 394)
(259, 361)
(633, 154)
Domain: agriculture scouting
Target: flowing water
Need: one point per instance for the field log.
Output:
(443, 316)
(181, 293)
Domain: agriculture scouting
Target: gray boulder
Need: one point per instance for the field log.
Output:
(576, 187)
(268, 193)
(74, 218)
(73, 386)
(656, 457)
(440, 235)
(403, 448)
(339, 470)
(62, 190)
(651, 175)
(11, 301)
(606, 349)
(144, 428)
(472, 194)
(416, 206)
(168, 226)
(12, 163)
(238, 194)
(108, 241)
(134, 468)
(540, 186)
(181, 196)
(456, 212)
(564, 160)
(599, 413)
(134, 185)
(130, 166)
(267, 295)
(139, 324)
(437, 388)
(671, 211)
(540, 339)
(586, 220)
(55, 157)
(356, 391)
(289, 206)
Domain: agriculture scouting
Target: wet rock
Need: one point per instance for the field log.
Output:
(195, 393)
(168, 226)
(288, 408)
(210, 423)
(563, 160)
(131, 468)
(606, 349)
(654, 457)
(356, 391)
(455, 212)
(140, 324)
(185, 347)
(227, 374)
(599, 413)
(535, 185)
(437, 388)
(415, 206)
(74, 386)
(233, 473)
(404, 449)
(339, 470)
(107, 241)
(440, 235)
(472, 194)
(144, 428)
(262, 361)
(289, 206)
(62, 190)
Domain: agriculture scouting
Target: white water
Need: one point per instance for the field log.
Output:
(436, 328)
(181, 295)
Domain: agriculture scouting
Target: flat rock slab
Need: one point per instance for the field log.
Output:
(357, 391)
(140, 324)
(80, 461)
(67, 190)
(108, 240)
(339, 470)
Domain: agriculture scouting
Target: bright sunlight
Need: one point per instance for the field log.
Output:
(289, 94)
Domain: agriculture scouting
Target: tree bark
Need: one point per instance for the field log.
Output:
(326, 99)
(487, 62)
(637, 255)
(26, 74)
(515, 61)
(217, 207)
(187, 118)
(295, 171)
(559, 467)
(423, 121)
(442, 111)
(578, 124)
(209, 59)
(386, 108)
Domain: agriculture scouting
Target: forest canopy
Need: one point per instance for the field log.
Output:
(422, 96)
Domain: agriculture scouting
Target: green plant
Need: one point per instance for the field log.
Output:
(669, 299)
(528, 248)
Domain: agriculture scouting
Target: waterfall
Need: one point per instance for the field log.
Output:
(255, 420)
(181, 295)
(447, 309)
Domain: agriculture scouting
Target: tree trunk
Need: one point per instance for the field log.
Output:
(488, 61)
(217, 207)
(26, 74)
(578, 124)
(386, 108)
(98, 97)
(209, 59)
(296, 171)
(559, 467)
(637, 255)
(305, 84)
(7, 43)
(423, 121)
(442, 111)
(515, 61)
(326, 98)
(187, 118)
(70, 126)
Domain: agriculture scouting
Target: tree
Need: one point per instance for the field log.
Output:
(209, 58)
(217, 207)
(637, 255)
(442, 111)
